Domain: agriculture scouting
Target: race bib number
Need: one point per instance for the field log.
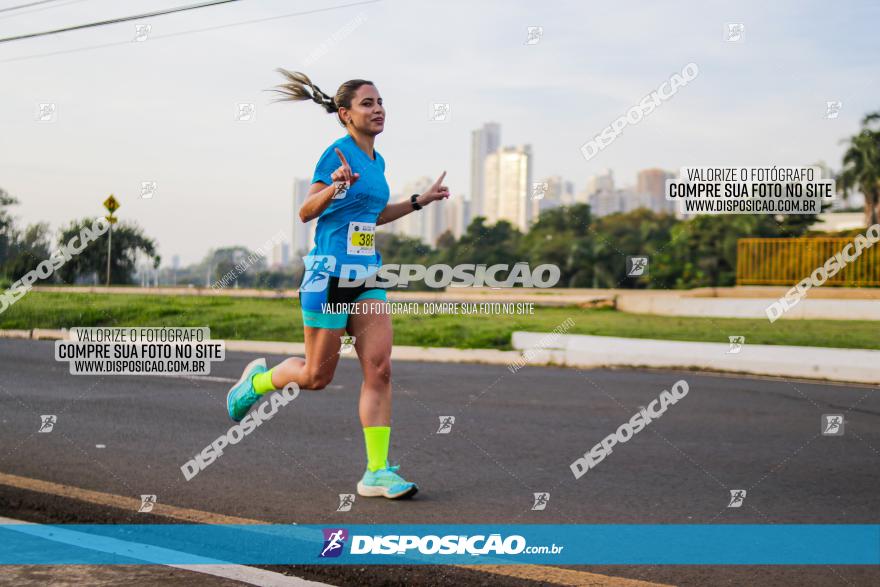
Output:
(361, 238)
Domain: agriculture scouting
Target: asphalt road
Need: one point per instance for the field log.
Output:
(514, 435)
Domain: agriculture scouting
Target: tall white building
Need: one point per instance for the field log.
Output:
(280, 255)
(507, 186)
(556, 192)
(456, 211)
(602, 182)
(651, 185)
(434, 219)
(484, 141)
(303, 234)
(428, 223)
(605, 202)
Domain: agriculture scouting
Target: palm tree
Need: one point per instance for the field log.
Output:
(861, 167)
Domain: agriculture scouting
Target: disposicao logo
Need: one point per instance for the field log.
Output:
(334, 541)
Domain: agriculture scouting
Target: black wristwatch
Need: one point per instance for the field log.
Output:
(415, 205)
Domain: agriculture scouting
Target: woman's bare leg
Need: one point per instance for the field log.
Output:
(317, 369)
(373, 340)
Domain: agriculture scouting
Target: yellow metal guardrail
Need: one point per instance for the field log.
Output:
(785, 261)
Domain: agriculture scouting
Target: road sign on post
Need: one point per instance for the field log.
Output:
(112, 205)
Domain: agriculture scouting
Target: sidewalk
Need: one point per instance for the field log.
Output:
(583, 351)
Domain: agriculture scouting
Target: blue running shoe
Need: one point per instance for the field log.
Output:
(242, 395)
(386, 483)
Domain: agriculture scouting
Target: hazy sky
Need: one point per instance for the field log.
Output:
(163, 109)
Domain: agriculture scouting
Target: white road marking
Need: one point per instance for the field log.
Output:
(250, 575)
(196, 377)
(245, 574)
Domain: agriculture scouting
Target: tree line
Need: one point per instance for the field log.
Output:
(22, 249)
(590, 251)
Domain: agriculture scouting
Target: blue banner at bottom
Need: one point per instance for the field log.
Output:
(626, 544)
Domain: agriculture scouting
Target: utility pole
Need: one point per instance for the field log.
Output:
(112, 206)
(109, 249)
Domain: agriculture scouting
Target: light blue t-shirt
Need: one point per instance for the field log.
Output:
(346, 228)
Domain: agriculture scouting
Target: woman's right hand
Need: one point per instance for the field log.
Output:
(343, 172)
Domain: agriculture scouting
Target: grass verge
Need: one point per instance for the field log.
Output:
(280, 320)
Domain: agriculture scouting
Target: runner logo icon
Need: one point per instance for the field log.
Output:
(832, 424)
(736, 344)
(147, 503)
(636, 266)
(541, 500)
(47, 423)
(347, 344)
(446, 423)
(346, 500)
(737, 497)
(341, 190)
(318, 268)
(334, 541)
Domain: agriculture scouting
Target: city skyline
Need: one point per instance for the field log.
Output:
(601, 192)
(157, 111)
(519, 199)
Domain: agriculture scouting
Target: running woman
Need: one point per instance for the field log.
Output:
(349, 197)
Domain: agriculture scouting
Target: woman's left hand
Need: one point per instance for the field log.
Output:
(437, 191)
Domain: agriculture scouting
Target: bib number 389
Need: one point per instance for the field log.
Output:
(361, 238)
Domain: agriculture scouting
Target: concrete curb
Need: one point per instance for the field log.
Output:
(573, 350)
(592, 352)
(703, 307)
(399, 352)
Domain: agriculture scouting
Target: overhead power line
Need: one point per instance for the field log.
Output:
(191, 31)
(41, 8)
(28, 5)
(118, 20)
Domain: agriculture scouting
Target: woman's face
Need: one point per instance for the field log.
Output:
(366, 114)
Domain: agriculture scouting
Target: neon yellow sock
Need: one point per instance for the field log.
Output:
(377, 439)
(263, 382)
